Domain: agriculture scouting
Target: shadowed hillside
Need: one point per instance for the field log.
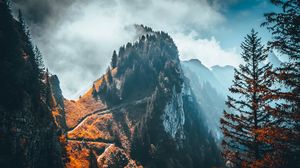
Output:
(28, 135)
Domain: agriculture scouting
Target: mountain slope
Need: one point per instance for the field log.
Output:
(273, 59)
(203, 74)
(144, 112)
(209, 91)
(28, 135)
(224, 74)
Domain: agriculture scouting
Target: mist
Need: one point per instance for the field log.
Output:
(77, 38)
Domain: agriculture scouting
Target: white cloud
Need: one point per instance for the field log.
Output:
(208, 51)
(78, 45)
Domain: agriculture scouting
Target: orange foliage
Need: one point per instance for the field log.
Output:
(75, 110)
(93, 128)
(98, 83)
(62, 139)
(269, 160)
(272, 135)
(115, 157)
(78, 156)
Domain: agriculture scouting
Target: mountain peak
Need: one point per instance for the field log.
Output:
(219, 67)
(139, 64)
(194, 60)
(273, 59)
(142, 28)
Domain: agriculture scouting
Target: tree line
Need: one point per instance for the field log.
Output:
(261, 127)
(40, 75)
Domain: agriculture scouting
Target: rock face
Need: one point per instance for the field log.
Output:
(28, 135)
(173, 117)
(57, 104)
(142, 112)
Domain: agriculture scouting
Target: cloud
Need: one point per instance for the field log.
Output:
(77, 38)
(208, 51)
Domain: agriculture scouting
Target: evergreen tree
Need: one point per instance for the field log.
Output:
(39, 61)
(109, 76)
(21, 21)
(25, 29)
(35, 58)
(114, 60)
(10, 59)
(92, 159)
(250, 86)
(94, 92)
(284, 134)
(29, 50)
(42, 72)
(46, 92)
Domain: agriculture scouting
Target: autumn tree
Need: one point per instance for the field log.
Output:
(246, 113)
(284, 134)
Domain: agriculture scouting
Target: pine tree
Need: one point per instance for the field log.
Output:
(21, 21)
(250, 86)
(109, 76)
(43, 74)
(47, 90)
(35, 57)
(25, 29)
(284, 134)
(114, 60)
(94, 92)
(30, 51)
(39, 61)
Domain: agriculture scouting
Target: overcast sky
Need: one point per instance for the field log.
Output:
(77, 38)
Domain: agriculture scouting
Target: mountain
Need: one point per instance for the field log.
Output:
(273, 59)
(224, 74)
(202, 74)
(28, 134)
(209, 87)
(140, 113)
